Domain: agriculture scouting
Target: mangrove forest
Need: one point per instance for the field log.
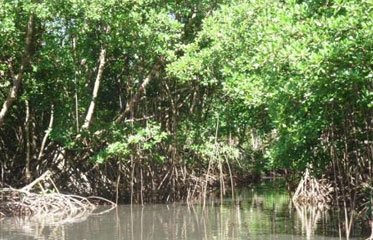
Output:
(152, 101)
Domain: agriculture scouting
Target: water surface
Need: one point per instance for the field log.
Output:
(261, 213)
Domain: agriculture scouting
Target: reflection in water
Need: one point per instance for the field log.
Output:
(26, 228)
(309, 216)
(258, 215)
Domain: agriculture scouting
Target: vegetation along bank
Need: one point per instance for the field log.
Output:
(158, 101)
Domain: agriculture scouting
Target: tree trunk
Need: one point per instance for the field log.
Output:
(27, 137)
(47, 132)
(91, 109)
(131, 104)
(17, 79)
(76, 85)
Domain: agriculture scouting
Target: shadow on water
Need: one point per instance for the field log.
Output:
(261, 213)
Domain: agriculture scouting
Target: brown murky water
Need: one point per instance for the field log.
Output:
(264, 213)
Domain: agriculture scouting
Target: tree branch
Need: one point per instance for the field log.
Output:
(131, 104)
(91, 109)
(17, 79)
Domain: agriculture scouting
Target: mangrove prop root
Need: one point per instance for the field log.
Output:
(311, 191)
(50, 203)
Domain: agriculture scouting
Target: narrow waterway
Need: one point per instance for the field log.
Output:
(263, 212)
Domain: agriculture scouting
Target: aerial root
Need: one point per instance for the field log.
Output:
(52, 204)
(311, 191)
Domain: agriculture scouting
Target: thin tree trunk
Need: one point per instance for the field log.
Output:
(17, 79)
(131, 104)
(141, 187)
(132, 178)
(91, 109)
(117, 188)
(41, 152)
(76, 86)
(27, 137)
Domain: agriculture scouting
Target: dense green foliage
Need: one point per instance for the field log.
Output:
(159, 100)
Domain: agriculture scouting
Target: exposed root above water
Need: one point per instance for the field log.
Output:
(311, 191)
(44, 202)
